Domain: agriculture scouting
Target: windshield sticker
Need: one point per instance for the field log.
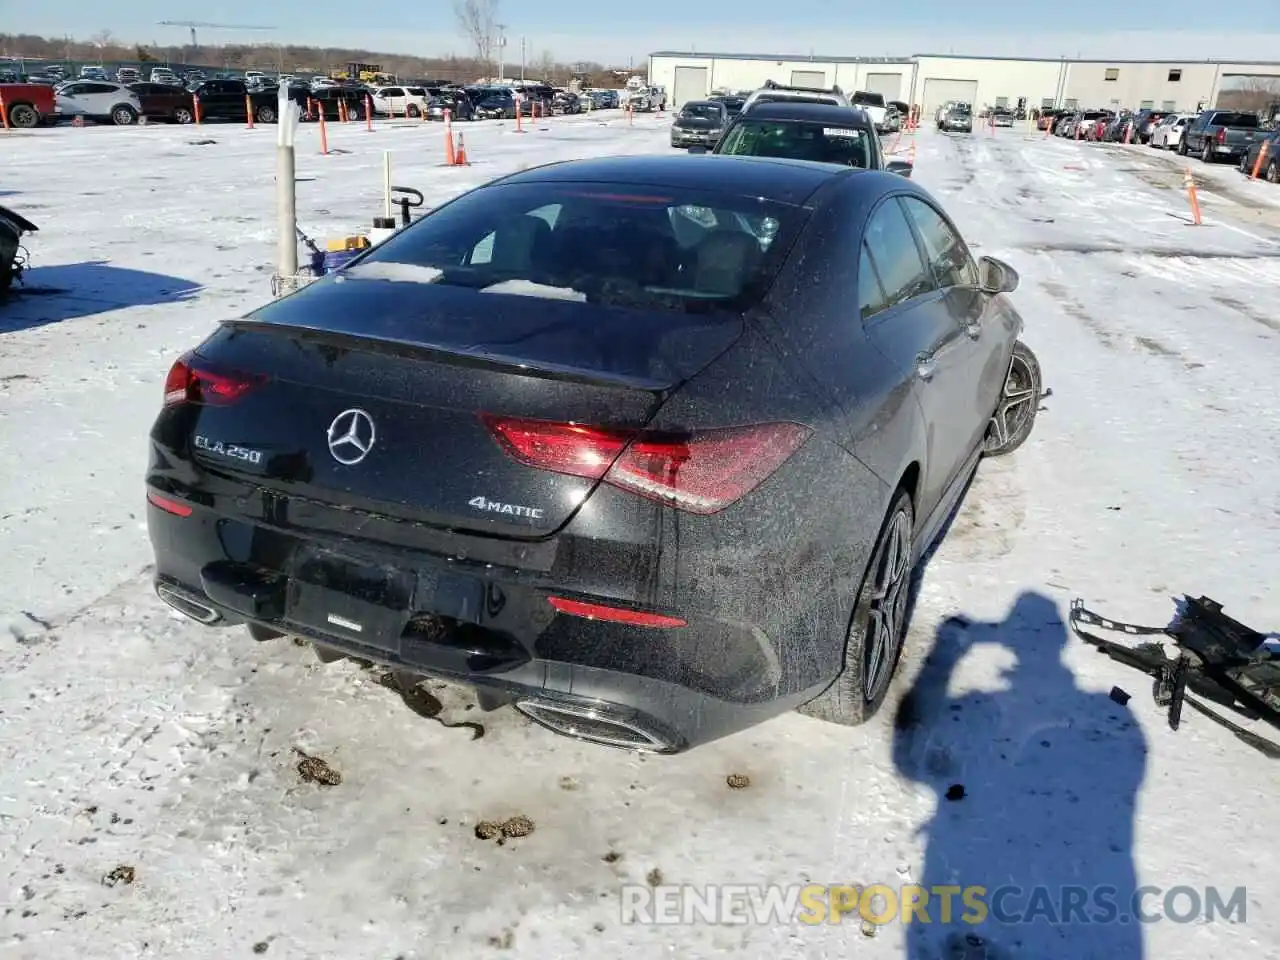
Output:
(840, 132)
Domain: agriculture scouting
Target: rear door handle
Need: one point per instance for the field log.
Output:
(926, 366)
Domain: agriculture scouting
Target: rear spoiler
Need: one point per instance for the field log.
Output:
(22, 223)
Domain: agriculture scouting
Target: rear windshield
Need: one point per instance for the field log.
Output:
(848, 146)
(1249, 120)
(868, 99)
(796, 98)
(702, 111)
(606, 243)
(960, 108)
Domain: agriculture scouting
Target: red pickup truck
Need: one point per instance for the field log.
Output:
(27, 104)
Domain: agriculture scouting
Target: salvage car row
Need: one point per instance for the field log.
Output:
(32, 104)
(1213, 135)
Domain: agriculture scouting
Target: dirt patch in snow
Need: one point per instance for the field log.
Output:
(1075, 308)
(1244, 309)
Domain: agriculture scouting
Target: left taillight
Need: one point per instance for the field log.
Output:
(191, 380)
(1222, 135)
(700, 472)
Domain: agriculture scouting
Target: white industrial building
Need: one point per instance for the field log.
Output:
(931, 80)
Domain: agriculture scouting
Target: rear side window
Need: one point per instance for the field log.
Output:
(948, 256)
(871, 298)
(891, 248)
(612, 244)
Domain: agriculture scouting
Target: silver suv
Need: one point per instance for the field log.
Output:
(774, 92)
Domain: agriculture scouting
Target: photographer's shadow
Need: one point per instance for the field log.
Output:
(1050, 774)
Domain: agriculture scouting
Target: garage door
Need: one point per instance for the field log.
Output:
(888, 85)
(808, 78)
(938, 92)
(691, 84)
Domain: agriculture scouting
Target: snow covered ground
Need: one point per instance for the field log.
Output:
(131, 738)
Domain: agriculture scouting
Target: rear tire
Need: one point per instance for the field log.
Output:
(1273, 172)
(183, 115)
(1015, 414)
(412, 112)
(265, 114)
(23, 116)
(877, 627)
(1206, 152)
(124, 115)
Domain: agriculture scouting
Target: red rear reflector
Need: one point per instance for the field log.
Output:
(702, 472)
(632, 618)
(176, 507)
(190, 381)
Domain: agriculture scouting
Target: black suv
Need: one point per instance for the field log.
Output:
(821, 132)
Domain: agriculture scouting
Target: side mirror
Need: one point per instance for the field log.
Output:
(698, 149)
(997, 276)
(901, 167)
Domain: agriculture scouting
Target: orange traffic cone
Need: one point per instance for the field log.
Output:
(450, 158)
(461, 158)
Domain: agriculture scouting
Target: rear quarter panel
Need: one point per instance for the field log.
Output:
(788, 557)
(36, 95)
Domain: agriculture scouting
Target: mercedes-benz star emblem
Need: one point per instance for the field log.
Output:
(351, 436)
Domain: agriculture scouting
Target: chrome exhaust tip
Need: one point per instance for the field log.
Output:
(594, 725)
(186, 606)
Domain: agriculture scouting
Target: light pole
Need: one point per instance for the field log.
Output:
(502, 47)
(522, 59)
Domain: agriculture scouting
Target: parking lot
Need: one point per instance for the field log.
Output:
(133, 737)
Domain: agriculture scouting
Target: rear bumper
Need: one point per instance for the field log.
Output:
(490, 626)
(693, 139)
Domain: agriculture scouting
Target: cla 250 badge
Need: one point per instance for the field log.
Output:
(510, 509)
(229, 450)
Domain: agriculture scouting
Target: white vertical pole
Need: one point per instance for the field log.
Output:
(386, 182)
(286, 186)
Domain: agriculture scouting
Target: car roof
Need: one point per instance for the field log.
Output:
(781, 180)
(812, 112)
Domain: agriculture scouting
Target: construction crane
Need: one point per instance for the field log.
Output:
(193, 24)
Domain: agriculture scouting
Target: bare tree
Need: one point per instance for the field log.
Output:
(1254, 93)
(478, 20)
(546, 66)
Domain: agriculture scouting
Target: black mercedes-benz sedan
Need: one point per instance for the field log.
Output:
(646, 447)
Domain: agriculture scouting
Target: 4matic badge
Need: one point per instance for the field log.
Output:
(509, 509)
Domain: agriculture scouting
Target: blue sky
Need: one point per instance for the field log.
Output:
(573, 29)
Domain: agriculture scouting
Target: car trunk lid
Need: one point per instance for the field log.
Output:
(377, 399)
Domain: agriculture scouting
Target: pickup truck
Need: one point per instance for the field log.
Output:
(225, 100)
(1219, 134)
(28, 104)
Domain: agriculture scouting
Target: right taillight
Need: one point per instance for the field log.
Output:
(1222, 135)
(190, 380)
(701, 472)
